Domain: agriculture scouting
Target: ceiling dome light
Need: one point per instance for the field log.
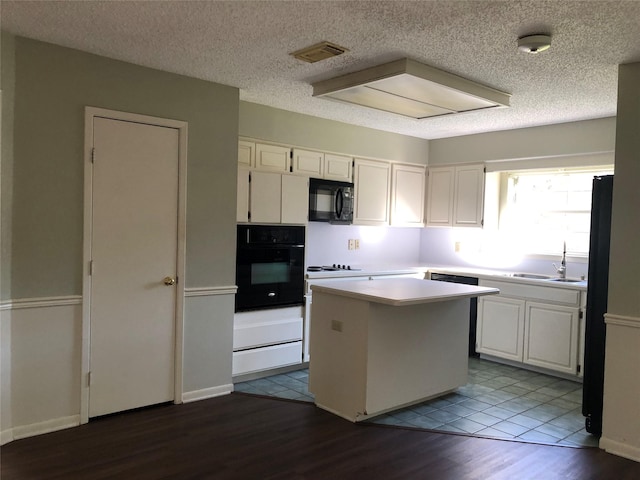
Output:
(534, 43)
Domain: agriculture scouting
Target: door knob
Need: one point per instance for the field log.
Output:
(169, 281)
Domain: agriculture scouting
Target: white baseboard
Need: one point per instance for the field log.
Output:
(621, 449)
(6, 436)
(45, 427)
(207, 393)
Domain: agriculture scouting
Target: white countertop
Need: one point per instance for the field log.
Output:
(402, 291)
(506, 276)
(367, 271)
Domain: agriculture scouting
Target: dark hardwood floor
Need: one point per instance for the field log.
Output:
(241, 436)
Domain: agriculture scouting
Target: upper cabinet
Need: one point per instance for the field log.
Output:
(407, 195)
(269, 197)
(246, 153)
(322, 165)
(455, 196)
(272, 158)
(306, 162)
(372, 181)
(338, 167)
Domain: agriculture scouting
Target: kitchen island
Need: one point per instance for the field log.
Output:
(378, 345)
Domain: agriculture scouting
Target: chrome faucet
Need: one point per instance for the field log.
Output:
(562, 269)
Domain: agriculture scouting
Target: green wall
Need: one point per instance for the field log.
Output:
(53, 85)
(272, 124)
(7, 85)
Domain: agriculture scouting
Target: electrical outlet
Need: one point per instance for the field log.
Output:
(352, 244)
(457, 247)
(357, 243)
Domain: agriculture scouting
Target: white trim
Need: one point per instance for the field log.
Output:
(90, 114)
(42, 302)
(6, 436)
(205, 393)
(621, 320)
(555, 162)
(45, 427)
(619, 448)
(206, 291)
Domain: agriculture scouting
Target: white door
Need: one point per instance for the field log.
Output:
(134, 235)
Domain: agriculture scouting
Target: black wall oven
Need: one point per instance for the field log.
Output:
(269, 266)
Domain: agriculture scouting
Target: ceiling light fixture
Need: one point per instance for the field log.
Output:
(534, 43)
(412, 89)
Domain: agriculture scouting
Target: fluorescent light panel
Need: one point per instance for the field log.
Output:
(412, 89)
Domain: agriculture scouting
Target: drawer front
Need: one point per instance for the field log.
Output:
(267, 333)
(562, 296)
(249, 361)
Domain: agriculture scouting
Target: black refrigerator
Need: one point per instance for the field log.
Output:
(597, 291)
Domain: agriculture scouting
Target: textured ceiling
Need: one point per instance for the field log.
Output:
(246, 44)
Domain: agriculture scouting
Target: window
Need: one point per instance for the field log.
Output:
(543, 209)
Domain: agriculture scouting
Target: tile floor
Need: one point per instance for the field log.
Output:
(499, 401)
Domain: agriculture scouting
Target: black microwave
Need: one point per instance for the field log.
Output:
(330, 201)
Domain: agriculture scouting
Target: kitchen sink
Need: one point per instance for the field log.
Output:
(531, 275)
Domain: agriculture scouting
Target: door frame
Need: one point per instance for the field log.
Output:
(90, 114)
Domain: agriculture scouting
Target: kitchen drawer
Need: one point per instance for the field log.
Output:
(562, 296)
(248, 361)
(267, 333)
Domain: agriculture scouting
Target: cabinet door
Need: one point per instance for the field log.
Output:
(551, 337)
(265, 197)
(308, 163)
(372, 184)
(469, 196)
(242, 205)
(246, 153)
(338, 167)
(439, 202)
(272, 158)
(500, 328)
(295, 199)
(407, 195)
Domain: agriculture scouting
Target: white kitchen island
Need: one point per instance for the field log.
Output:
(378, 345)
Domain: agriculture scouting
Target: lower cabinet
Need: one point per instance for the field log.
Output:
(551, 336)
(266, 339)
(501, 327)
(519, 325)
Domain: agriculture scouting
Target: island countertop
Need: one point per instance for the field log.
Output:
(402, 291)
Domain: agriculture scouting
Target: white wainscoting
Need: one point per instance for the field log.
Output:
(620, 428)
(40, 364)
(42, 381)
(6, 430)
(208, 342)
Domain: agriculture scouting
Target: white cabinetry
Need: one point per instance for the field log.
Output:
(500, 327)
(338, 167)
(309, 163)
(551, 336)
(266, 339)
(294, 199)
(272, 158)
(535, 325)
(439, 204)
(246, 153)
(372, 181)
(322, 165)
(407, 195)
(455, 196)
(266, 197)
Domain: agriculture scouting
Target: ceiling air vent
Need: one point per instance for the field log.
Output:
(320, 51)
(412, 89)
